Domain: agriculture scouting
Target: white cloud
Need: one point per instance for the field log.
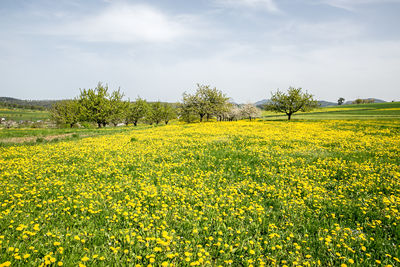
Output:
(266, 4)
(123, 23)
(317, 33)
(351, 4)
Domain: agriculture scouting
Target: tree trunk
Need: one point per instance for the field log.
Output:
(201, 117)
(289, 116)
(166, 122)
(99, 124)
(135, 123)
(250, 118)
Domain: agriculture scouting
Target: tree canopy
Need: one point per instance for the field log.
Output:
(136, 111)
(291, 102)
(95, 105)
(206, 101)
(65, 112)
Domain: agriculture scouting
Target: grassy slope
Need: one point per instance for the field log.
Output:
(23, 114)
(363, 111)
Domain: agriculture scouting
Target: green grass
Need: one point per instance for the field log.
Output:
(23, 114)
(24, 132)
(33, 136)
(345, 112)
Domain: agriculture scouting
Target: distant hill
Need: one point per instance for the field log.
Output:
(26, 104)
(261, 103)
(323, 103)
(375, 101)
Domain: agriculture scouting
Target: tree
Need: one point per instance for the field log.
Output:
(291, 102)
(205, 102)
(65, 112)
(340, 101)
(214, 101)
(136, 111)
(250, 111)
(95, 105)
(187, 109)
(168, 113)
(233, 113)
(155, 114)
(117, 107)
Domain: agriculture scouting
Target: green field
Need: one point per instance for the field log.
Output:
(23, 114)
(304, 193)
(20, 136)
(346, 112)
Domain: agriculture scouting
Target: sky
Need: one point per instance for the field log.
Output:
(158, 49)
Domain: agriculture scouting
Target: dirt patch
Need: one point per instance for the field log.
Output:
(19, 140)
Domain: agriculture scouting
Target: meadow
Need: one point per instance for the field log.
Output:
(17, 114)
(241, 193)
(389, 110)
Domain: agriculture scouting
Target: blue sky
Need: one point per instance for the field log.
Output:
(159, 49)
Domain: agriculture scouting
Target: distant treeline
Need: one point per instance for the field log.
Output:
(101, 107)
(363, 101)
(10, 102)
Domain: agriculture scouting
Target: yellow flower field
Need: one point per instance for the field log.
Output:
(227, 193)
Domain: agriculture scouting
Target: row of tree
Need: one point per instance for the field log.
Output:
(101, 107)
(363, 101)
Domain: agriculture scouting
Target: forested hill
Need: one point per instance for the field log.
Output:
(27, 104)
